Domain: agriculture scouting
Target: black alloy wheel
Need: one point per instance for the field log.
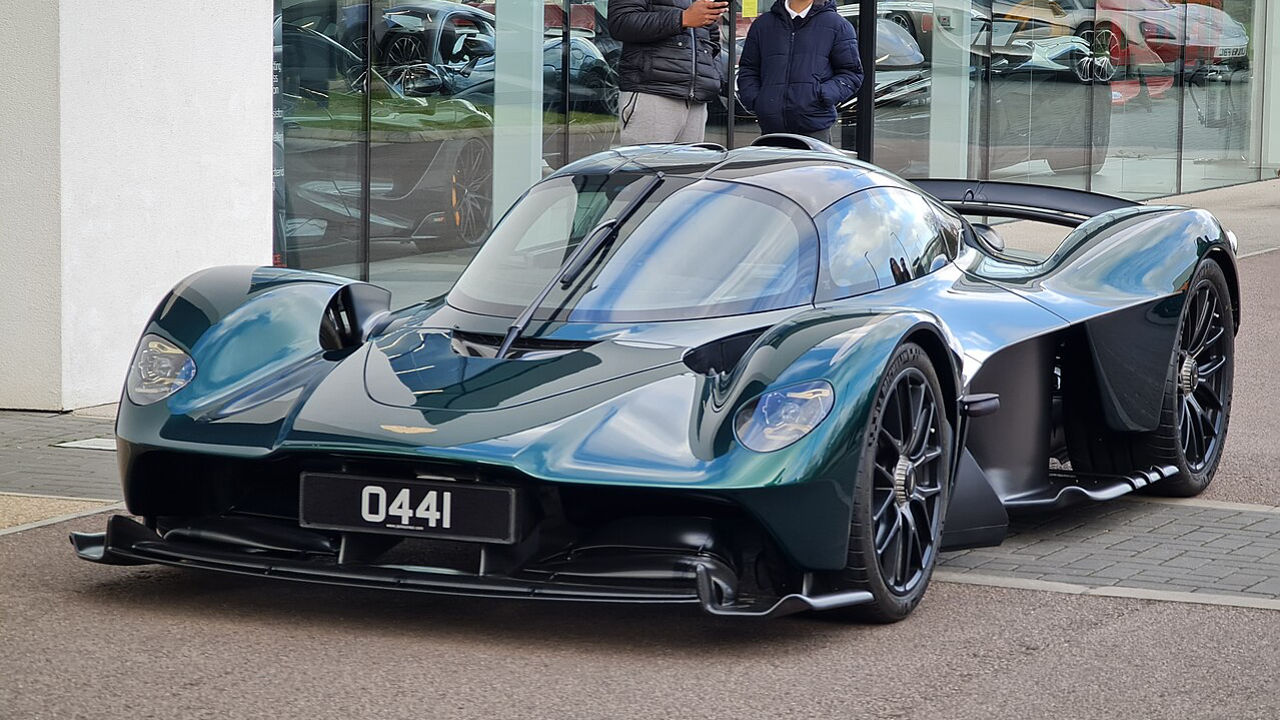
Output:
(901, 492)
(405, 50)
(471, 193)
(1203, 376)
(1196, 408)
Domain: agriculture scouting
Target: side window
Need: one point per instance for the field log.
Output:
(463, 38)
(878, 238)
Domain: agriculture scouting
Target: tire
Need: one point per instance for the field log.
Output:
(403, 49)
(899, 490)
(903, 20)
(1191, 432)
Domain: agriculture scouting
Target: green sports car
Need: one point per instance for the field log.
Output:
(764, 381)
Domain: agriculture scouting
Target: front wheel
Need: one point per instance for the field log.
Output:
(901, 491)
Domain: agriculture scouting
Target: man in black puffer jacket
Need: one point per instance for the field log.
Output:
(668, 71)
(800, 61)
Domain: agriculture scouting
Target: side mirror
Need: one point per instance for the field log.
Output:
(470, 66)
(478, 46)
(422, 81)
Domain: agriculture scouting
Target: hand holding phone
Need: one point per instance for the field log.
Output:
(702, 13)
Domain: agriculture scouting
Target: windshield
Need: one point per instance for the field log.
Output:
(693, 249)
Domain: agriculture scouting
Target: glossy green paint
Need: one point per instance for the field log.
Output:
(617, 405)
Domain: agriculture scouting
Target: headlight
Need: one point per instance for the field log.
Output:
(159, 370)
(778, 418)
(1152, 31)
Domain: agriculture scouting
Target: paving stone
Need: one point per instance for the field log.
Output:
(1241, 580)
(1091, 563)
(1147, 585)
(1184, 561)
(1270, 586)
(1116, 572)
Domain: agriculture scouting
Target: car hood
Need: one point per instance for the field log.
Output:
(430, 368)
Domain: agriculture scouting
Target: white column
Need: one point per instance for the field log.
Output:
(142, 156)
(1265, 87)
(949, 101)
(517, 100)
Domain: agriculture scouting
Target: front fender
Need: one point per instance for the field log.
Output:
(256, 335)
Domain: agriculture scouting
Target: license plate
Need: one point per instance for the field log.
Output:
(1230, 52)
(413, 508)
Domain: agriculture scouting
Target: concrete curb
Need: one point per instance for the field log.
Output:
(61, 518)
(1015, 583)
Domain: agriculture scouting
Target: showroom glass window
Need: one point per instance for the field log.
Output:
(403, 129)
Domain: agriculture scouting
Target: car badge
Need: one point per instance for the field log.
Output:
(408, 429)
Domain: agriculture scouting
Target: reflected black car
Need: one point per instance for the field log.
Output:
(459, 41)
(430, 156)
(1050, 99)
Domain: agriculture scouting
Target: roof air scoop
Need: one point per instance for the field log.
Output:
(791, 141)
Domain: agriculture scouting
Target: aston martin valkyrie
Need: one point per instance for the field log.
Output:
(764, 381)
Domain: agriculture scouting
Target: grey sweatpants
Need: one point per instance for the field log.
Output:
(656, 119)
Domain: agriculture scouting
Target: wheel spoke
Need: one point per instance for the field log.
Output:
(1184, 427)
(883, 473)
(903, 399)
(890, 535)
(894, 443)
(1197, 431)
(923, 493)
(1215, 333)
(883, 506)
(906, 537)
(928, 455)
(923, 424)
(1211, 368)
(1210, 397)
(1200, 306)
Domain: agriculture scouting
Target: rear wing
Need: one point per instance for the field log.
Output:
(1042, 203)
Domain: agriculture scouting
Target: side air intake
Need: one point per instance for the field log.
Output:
(353, 313)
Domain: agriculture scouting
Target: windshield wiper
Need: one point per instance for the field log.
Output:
(599, 237)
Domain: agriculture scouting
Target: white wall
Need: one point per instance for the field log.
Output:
(153, 136)
(30, 270)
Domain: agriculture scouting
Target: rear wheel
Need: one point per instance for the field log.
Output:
(1197, 400)
(901, 491)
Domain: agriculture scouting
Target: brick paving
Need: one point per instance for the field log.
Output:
(30, 464)
(1126, 543)
(1179, 547)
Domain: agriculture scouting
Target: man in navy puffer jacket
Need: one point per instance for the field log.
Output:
(800, 61)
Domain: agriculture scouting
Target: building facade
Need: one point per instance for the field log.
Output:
(380, 139)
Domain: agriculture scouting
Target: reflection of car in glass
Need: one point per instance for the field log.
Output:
(1153, 32)
(1049, 100)
(592, 83)
(1027, 19)
(459, 41)
(430, 157)
(756, 380)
